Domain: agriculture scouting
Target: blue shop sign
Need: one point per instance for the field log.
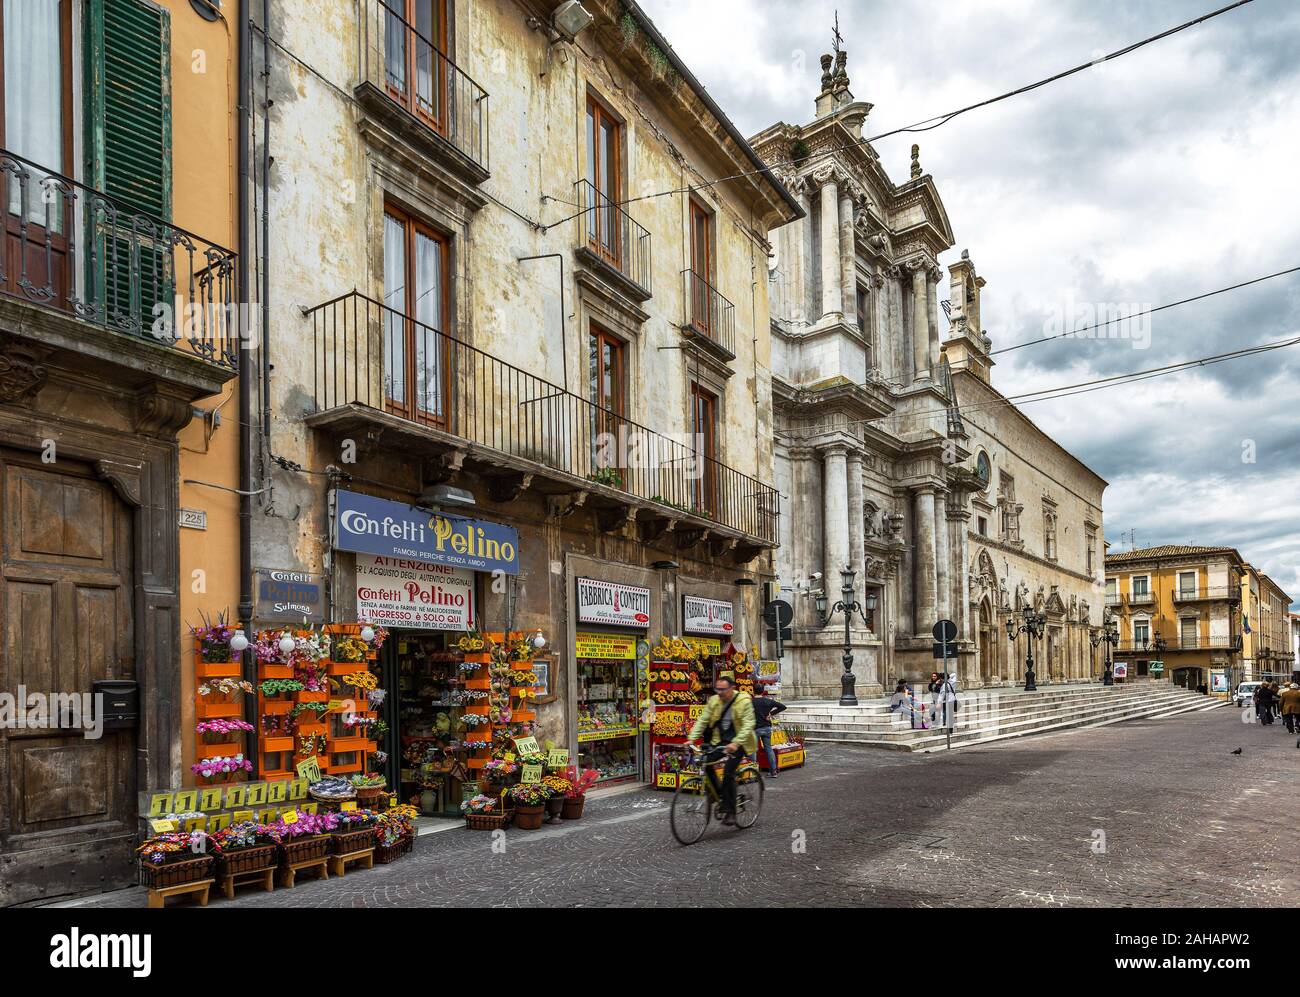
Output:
(394, 529)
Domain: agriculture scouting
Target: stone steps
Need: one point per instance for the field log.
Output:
(994, 715)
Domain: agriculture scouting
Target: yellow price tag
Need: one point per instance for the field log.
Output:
(531, 774)
(349, 806)
(162, 826)
(510, 756)
(159, 804)
(666, 780)
(557, 758)
(526, 745)
(290, 816)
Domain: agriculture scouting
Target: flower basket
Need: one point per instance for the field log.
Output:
(573, 807)
(344, 842)
(529, 818)
(173, 872)
(487, 822)
(236, 862)
(305, 849)
(394, 851)
(367, 795)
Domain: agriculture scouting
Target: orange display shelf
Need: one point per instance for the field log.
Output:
(270, 745)
(223, 750)
(212, 711)
(270, 671)
(218, 669)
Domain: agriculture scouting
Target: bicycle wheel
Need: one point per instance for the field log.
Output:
(749, 796)
(691, 810)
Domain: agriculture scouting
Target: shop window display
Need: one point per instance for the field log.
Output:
(608, 717)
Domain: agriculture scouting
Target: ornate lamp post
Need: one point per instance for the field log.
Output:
(1109, 636)
(1032, 628)
(847, 605)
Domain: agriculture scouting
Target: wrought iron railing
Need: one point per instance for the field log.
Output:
(404, 61)
(1141, 598)
(369, 354)
(1178, 643)
(1183, 594)
(708, 313)
(609, 232)
(75, 249)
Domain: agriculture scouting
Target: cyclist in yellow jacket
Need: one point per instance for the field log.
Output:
(727, 720)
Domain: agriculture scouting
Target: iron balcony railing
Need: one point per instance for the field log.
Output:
(1206, 592)
(75, 249)
(405, 61)
(609, 232)
(709, 314)
(1141, 598)
(1113, 600)
(369, 354)
(1177, 643)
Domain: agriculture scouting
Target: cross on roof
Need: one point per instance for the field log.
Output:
(836, 38)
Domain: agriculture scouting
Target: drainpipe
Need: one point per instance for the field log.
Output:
(245, 384)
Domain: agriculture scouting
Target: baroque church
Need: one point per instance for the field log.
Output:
(895, 455)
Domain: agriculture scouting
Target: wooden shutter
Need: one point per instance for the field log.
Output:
(128, 151)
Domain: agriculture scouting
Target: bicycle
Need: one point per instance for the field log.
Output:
(696, 802)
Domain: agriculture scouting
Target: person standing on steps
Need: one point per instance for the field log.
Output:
(765, 708)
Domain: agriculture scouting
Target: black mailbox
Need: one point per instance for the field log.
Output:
(120, 703)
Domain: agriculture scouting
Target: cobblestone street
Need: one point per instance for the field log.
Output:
(1185, 822)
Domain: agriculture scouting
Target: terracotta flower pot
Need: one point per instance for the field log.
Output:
(573, 807)
(554, 807)
(529, 818)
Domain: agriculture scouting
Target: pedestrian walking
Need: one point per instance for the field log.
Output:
(1264, 704)
(1291, 707)
(946, 697)
(766, 707)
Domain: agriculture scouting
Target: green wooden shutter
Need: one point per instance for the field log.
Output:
(128, 152)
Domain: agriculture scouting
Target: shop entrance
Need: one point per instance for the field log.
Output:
(608, 712)
(423, 713)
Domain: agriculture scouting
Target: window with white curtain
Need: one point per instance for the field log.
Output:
(33, 100)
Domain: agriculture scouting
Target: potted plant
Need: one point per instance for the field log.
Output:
(530, 804)
(368, 787)
(306, 837)
(496, 774)
(558, 787)
(396, 833)
(217, 768)
(355, 831)
(576, 795)
(175, 857)
(244, 847)
(214, 639)
(483, 812)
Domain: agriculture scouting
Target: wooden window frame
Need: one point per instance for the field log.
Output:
(702, 233)
(412, 409)
(62, 281)
(409, 99)
(704, 489)
(605, 226)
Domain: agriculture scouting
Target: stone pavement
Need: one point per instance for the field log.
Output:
(1147, 813)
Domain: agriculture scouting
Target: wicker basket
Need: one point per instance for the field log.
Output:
(367, 796)
(162, 875)
(486, 822)
(391, 853)
(346, 842)
(305, 849)
(255, 859)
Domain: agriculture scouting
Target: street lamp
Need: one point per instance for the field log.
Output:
(847, 605)
(1032, 628)
(1108, 635)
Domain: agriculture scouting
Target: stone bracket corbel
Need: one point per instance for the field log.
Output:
(563, 506)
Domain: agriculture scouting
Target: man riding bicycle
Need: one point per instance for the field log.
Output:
(727, 720)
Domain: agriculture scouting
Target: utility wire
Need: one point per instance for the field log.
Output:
(929, 124)
(1074, 333)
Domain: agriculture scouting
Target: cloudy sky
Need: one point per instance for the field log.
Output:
(1155, 177)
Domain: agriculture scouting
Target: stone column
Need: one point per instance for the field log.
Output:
(960, 515)
(798, 256)
(848, 266)
(920, 325)
(932, 316)
(832, 303)
(943, 547)
(880, 353)
(923, 561)
(835, 518)
(857, 536)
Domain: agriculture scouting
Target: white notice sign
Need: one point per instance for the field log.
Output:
(402, 593)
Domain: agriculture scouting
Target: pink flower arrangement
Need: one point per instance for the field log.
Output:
(306, 825)
(222, 726)
(210, 768)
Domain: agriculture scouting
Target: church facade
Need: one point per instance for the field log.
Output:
(895, 455)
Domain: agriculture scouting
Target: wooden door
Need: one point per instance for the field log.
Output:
(65, 603)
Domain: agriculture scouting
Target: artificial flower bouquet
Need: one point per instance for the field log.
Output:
(480, 804)
(224, 687)
(174, 846)
(212, 768)
(557, 785)
(529, 794)
(674, 649)
(499, 770)
(307, 825)
(368, 781)
(214, 639)
(350, 649)
(532, 758)
(356, 820)
(579, 782)
(245, 834)
(217, 731)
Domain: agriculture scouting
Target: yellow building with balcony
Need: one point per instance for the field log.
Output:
(1178, 612)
